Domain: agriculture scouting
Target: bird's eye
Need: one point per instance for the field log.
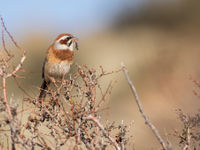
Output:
(68, 38)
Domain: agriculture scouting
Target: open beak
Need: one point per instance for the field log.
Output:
(75, 40)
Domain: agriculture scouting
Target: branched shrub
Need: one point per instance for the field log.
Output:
(189, 137)
(69, 117)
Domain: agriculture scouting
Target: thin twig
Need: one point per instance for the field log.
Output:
(5, 98)
(147, 121)
(4, 75)
(90, 117)
(78, 138)
(188, 138)
(11, 37)
(12, 134)
(2, 36)
(18, 67)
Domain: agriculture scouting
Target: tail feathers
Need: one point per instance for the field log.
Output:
(43, 90)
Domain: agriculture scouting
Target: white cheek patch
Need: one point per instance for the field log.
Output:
(59, 46)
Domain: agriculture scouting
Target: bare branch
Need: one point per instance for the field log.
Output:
(2, 35)
(147, 121)
(188, 138)
(5, 98)
(18, 66)
(11, 37)
(63, 113)
(90, 117)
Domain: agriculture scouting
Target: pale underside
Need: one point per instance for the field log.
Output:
(56, 70)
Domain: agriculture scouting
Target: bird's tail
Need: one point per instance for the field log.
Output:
(43, 90)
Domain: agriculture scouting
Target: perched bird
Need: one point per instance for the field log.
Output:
(58, 60)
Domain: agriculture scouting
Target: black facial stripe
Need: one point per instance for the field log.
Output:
(68, 38)
(70, 42)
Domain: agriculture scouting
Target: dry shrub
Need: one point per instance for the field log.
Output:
(189, 136)
(69, 117)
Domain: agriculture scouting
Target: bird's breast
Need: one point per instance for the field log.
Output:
(57, 70)
(58, 63)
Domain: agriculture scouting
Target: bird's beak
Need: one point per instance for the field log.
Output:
(76, 42)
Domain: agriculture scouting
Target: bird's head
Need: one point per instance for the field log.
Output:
(65, 41)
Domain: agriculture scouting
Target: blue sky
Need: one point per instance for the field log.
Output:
(62, 15)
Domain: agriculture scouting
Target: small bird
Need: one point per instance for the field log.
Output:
(58, 60)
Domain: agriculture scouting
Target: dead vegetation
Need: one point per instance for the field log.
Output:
(70, 117)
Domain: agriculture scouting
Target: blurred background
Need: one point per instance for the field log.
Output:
(157, 40)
